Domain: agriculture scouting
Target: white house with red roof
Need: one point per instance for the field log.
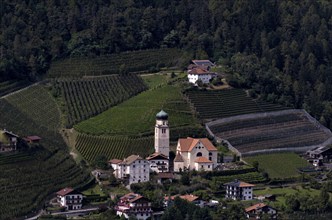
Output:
(70, 198)
(134, 205)
(200, 74)
(200, 70)
(195, 153)
(238, 190)
(134, 168)
(258, 210)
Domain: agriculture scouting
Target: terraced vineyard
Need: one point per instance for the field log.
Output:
(226, 103)
(11, 86)
(132, 61)
(88, 97)
(136, 116)
(112, 146)
(26, 177)
(289, 130)
(43, 110)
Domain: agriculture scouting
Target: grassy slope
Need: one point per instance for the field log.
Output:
(137, 115)
(280, 165)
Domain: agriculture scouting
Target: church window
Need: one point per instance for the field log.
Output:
(199, 154)
(210, 154)
(163, 130)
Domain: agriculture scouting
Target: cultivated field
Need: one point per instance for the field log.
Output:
(136, 116)
(88, 97)
(113, 147)
(11, 86)
(28, 177)
(132, 61)
(225, 103)
(279, 165)
(289, 130)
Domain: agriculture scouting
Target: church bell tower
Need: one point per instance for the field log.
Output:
(161, 134)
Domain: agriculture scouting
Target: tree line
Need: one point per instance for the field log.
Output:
(280, 50)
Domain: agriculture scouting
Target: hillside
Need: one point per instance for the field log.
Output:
(28, 177)
(84, 98)
(131, 61)
(213, 104)
(288, 130)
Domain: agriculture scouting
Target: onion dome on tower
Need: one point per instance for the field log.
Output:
(161, 115)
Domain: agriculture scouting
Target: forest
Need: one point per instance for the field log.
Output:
(278, 49)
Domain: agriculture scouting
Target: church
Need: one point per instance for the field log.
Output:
(191, 153)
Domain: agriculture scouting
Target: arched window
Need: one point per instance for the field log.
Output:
(199, 154)
(210, 154)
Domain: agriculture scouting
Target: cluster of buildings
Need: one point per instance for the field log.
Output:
(191, 154)
(9, 140)
(200, 70)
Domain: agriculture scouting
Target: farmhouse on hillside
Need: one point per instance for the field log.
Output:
(320, 154)
(200, 70)
(70, 198)
(168, 200)
(195, 154)
(133, 169)
(238, 190)
(256, 211)
(135, 205)
(8, 141)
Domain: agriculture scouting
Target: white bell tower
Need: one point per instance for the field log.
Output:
(161, 134)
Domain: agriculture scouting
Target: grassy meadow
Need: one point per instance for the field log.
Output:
(279, 165)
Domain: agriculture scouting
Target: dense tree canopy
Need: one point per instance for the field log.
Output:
(279, 48)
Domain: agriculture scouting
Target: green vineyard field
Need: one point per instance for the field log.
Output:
(88, 97)
(227, 103)
(26, 178)
(136, 116)
(113, 147)
(132, 61)
(11, 86)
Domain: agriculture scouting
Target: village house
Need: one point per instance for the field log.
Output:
(200, 70)
(168, 200)
(159, 163)
(320, 155)
(257, 211)
(32, 139)
(133, 169)
(238, 190)
(70, 198)
(134, 205)
(8, 141)
(195, 154)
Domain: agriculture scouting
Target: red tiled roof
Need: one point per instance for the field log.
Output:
(157, 155)
(199, 71)
(33, 138)
(165, 176)
(187, 144)
(255, 207)
(202, 160)
(115, 161)
(65, 191)
(238, 183)
(189, 198)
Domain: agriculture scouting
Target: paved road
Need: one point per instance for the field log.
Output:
(71, 212)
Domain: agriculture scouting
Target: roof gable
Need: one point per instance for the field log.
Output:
(157, 156)
(188, 144)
